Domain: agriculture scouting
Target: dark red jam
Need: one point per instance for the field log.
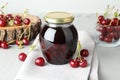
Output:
(59, 43)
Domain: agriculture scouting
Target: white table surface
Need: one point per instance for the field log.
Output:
(109, 58)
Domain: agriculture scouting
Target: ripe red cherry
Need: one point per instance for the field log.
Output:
(102, 30)
(114, 21)
(9, 17)
(119, 23)
(4, 45)
(111, 35)
(101, 37)
(98, 27)
(83, 63)
(84, 52)
(22, 56)
(108, 39)
(17, 22)
(40, 61)
(101, 18)
(116, 35)
(108, 21)
(25, 41)
(26, 21)
(79, 58)
(104, 22)
(117, 28)
(2, 22)
(17, 17)
(19, 42)
(109, 29)
(1, 16)
(74, 63)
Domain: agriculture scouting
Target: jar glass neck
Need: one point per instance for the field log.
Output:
(59, 25)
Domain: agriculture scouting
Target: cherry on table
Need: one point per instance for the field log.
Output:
(84, 52)
(74, 63)
(19, 42)
(4, 45)
(40, 61)
(83, 63)
(25, 41)
(79, 58)
(22, 56)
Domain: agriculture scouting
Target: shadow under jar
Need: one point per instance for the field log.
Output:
(58, 38)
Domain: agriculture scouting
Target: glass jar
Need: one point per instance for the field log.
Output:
(58, 37)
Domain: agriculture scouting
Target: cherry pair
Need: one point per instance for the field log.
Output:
(24, 41)
(80, 60)
(38, 61)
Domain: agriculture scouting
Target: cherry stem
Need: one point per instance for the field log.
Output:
(23, 33)
(112, 8)
(96, 14)
(78, 50)
(110, 23)
(29, 32)
(11, 41)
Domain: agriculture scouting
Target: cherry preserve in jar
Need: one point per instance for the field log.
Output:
(58, 37)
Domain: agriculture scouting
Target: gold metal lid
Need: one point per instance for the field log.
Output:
(59, 17)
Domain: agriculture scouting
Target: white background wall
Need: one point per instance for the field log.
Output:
(75, 6)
